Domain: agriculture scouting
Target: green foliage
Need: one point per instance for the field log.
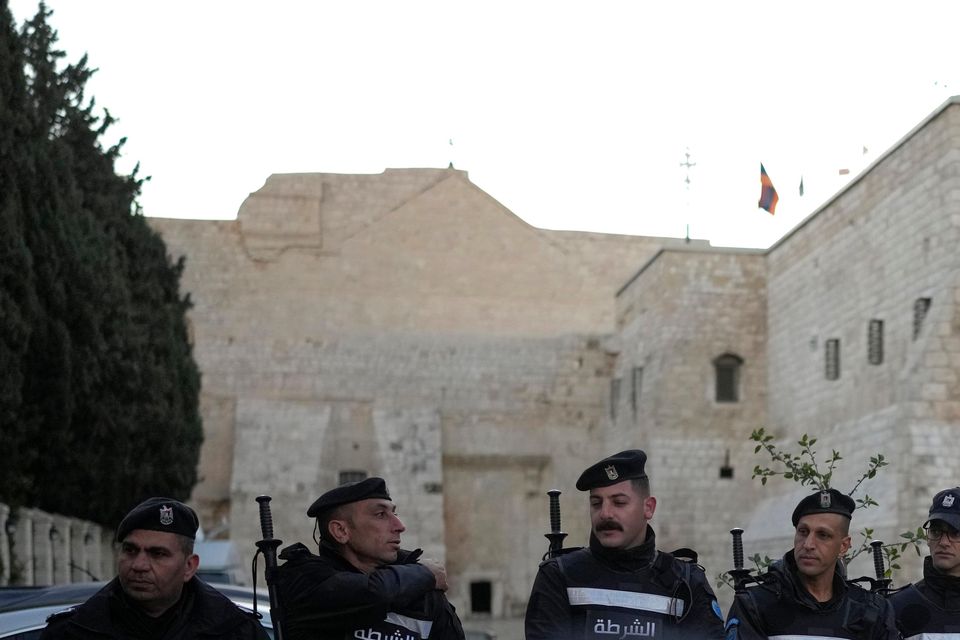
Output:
(803, 467)
(98, 386)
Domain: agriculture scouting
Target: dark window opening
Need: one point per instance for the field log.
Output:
(832, 353)
(875, 342)
(481, 596)
(726, 471)
(636, 387)
(727, 369)
(351, 475)
(614, 397)
(920, 308)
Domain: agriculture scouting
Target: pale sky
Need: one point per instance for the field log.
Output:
(574, 115)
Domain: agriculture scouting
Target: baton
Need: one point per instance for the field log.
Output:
(555, 536)
(741, 577)
(268, 546)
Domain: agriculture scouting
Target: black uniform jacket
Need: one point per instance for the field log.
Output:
(930, 608)
(598, 593)
(781, 607)
(201, 612)
(324, 596)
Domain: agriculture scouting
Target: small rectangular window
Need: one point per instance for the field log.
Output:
(727, 373)
(481, 596)
(351, 475)
(614, 397)
(875, 342)
(920, 308)
(832, 352)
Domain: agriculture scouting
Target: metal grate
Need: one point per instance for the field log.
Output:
(875, 342)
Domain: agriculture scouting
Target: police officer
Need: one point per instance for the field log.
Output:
(805, 595)
(156, 594)
(361, 584)
(931, 608)
(621, 585)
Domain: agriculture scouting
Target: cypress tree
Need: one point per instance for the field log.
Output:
(108, 389)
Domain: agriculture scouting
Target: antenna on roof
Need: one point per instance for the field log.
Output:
(687, 164)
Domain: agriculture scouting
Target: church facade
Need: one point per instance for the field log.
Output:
(407, 325)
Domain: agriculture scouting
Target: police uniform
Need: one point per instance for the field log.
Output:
(597, 592)
(931, 608)
(201, 611)
(325, 596)
(781, 607)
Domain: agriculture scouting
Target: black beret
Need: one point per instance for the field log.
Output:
(946, 507)
(160, 514)
(372, 487)
(625, 465)
(830, 501)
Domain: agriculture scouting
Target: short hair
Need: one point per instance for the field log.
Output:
(186, 544)
(845, 526)
(641, 486)
(341, 512)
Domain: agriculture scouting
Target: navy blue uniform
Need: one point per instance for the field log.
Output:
(780, 607)
(201, 612)
(596, 593)
(930, 608)
(324, 596)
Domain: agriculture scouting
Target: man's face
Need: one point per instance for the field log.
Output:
(819, 540)
(153, 568)
(369, 532)
(944, 552)
(619, 515)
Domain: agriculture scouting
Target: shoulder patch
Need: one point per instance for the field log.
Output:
(716, 609)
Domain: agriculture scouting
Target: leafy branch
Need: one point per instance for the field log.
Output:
(803, 467)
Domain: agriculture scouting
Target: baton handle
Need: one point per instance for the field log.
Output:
(878, 558)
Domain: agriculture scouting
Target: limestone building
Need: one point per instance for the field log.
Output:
(407, 325)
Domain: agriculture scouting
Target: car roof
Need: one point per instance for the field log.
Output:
(28, 608)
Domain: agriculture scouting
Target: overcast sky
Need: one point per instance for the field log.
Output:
(574, 115)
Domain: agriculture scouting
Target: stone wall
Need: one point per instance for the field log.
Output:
(682, 310)
(884, 242)
(405, 325)
(39, 548)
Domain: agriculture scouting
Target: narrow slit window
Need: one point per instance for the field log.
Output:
(636, 388)
(832, 354)
(614, 397)
(920, 308)
(875, 342)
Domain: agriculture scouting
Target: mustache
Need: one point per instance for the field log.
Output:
(609, 525)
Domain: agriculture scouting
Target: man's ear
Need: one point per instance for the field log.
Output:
(193, 563)
(339, 531)
(649, 506)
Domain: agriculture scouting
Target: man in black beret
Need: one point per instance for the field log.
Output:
(621, 584)
(156, 593)
(361, 583)
(806, 595)
(930, 608)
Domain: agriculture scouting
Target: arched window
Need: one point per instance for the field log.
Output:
(727, 368)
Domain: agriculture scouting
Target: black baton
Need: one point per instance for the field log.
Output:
(268, 547)
(555, 536)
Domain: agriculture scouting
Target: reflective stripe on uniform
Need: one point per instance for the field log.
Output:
(625, 600)
(420, 626)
